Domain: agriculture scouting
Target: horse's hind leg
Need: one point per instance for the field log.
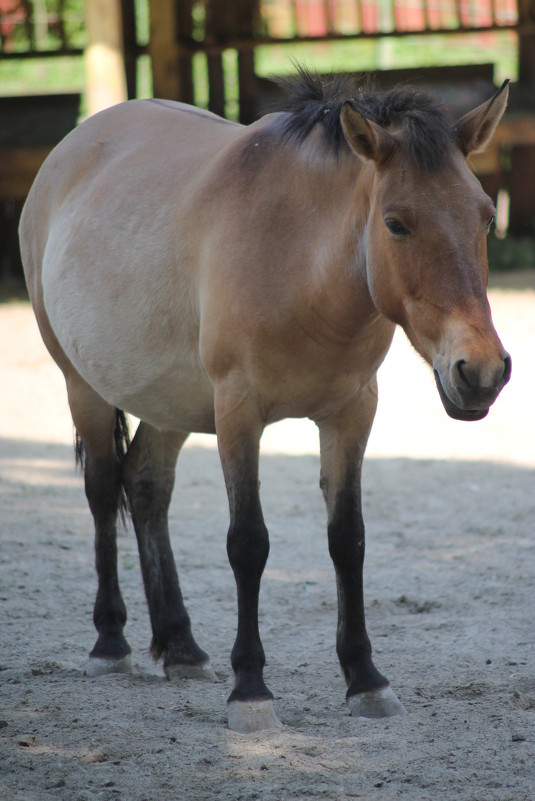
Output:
(100, 434)
(148, 477)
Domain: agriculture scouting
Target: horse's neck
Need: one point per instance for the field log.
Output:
(318, 202)
(343, 197)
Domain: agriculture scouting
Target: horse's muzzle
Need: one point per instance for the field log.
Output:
(469, 391)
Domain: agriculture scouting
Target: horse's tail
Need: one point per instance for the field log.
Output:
(122, 442)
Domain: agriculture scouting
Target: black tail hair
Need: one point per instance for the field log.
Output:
(122, 442)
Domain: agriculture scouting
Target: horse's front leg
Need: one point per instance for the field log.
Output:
(343, 440)
(239, 427)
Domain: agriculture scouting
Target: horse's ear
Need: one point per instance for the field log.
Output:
(475, 130)
(365, 138)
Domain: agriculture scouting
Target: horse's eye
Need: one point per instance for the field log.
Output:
(490, 221)
(396, 228)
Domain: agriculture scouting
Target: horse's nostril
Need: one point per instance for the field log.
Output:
(461, 370)
(470, 376)
(507, 367)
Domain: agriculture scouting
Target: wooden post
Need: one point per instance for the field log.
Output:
(104, 63)
(248, 16)
(522, 191)
(230, 22)
(220, 27)
(164, 49)
(526, 43)
(128, 12)
(216, 84)
(247, 86)
(522, 175)
(185, 54)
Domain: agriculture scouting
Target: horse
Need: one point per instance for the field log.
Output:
(205, 276)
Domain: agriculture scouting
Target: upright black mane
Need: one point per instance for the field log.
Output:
(316, 100)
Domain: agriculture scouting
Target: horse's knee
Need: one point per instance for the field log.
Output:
(346, 545)
(346, 533)
(248, 548)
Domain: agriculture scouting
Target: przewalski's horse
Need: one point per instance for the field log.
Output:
(210, 277)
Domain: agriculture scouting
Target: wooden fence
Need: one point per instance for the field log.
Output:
(182, 29)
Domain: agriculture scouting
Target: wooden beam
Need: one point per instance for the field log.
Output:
(104, 58)
(216, 85)
(526, 56)
(164, 49)
(128, 14)
(248, 22)
(521, 191)
(247, 85)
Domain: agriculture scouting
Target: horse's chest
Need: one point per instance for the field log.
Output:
(309, 385)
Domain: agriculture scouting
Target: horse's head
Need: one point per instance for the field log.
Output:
(426, 250)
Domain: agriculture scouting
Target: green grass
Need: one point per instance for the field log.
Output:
(42, 75)
(498, 47)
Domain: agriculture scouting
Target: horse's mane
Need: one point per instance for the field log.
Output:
(316, 100)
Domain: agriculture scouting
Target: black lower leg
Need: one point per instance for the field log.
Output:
(103, 490)
(148, 474)
(172, 638)
(346, 547)
(248, 549)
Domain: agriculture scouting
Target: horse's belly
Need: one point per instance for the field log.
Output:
(165, 387)
(173, 405)
(139, 353)
(172, 396)
(177, 399)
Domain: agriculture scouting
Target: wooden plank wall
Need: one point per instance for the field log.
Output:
(243, 24)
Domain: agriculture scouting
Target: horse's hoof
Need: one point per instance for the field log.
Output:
(382, 703)
(203, 671)
(102, 666)
(247, 717)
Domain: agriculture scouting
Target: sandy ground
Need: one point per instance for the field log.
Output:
(450, 572)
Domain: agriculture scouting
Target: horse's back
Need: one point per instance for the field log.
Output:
(110, 255)
(152, 148)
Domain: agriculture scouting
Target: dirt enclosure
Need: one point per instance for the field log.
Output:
(450, 577)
